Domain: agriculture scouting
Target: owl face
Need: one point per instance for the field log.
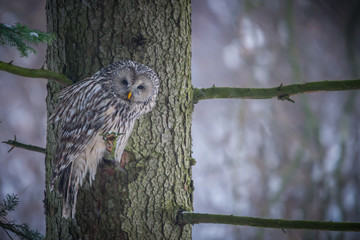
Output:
(133, 86)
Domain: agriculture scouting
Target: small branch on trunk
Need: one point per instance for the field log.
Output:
(16, 144)
(281, 92)
(195, 218)
(35, 73)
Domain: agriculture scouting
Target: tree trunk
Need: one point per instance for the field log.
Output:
(142, 201)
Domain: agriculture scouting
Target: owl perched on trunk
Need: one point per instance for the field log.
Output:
(107, 103)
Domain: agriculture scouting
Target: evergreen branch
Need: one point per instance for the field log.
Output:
(281, 92)
(22, 231)
(35, 73)
(195, 218)
(8, 204)
(21, 35)
(16, 144)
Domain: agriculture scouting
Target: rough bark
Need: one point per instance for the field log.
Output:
(142, 201)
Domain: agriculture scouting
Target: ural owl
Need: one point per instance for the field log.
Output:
(107, 103)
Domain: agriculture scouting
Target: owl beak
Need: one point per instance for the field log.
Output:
(129, 95)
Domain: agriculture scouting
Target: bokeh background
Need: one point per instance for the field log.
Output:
(259, 158)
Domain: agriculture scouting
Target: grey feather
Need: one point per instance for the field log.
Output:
(88, 110)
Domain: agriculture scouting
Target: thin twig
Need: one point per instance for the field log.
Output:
(195, 218)
(35, 73)
(16, 144)
(8, 234)
(281, 92)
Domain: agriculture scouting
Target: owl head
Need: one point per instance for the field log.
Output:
(135, 82)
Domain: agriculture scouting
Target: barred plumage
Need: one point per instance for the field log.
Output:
(109, 101)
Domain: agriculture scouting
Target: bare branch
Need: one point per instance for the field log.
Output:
(195, 218)
(16, 144)
(35, 73)
(281, 92)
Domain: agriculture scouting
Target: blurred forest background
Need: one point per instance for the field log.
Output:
(259, 158)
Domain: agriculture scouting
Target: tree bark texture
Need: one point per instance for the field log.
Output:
(142, 201)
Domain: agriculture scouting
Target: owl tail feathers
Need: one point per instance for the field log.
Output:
(70, 198)
(67, 187)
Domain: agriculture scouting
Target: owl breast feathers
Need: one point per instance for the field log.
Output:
(108, 102)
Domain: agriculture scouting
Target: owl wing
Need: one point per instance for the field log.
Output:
(80, 116)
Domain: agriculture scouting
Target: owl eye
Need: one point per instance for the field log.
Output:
(125, 82)
(140, 87)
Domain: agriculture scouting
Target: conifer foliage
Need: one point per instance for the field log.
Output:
(21, 230)
(20, 36)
